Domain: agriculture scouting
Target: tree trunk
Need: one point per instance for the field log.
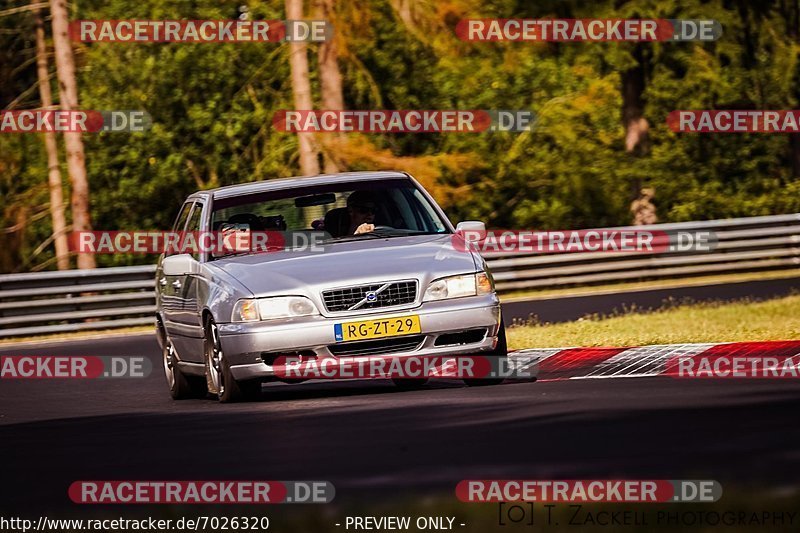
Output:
(329, 75)
(794, 154)
(301, 89)
(51, 147)
(790, 11)
(636, 126)
(68, 97)
(637, 137)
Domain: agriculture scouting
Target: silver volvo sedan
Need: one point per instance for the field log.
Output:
(368, 265)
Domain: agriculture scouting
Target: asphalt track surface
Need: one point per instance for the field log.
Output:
(568, 308)
(369, 438)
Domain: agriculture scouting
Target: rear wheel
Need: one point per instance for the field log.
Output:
(499, 357)
(219, 377)
(180, 385)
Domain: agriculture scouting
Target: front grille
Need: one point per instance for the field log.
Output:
(388, 294)
(378, 347)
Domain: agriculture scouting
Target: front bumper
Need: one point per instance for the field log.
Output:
(245, 344)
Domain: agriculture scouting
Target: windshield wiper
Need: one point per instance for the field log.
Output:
(422, 232)
(359, 237)
(234, 254)
(382, 234)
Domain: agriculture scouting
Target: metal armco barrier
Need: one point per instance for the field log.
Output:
(75, 300)
(744, 245)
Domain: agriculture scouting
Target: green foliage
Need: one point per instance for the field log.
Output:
(212, 106)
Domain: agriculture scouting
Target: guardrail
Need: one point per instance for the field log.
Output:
(743, 245)
(75, 300)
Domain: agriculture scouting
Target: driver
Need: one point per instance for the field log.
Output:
(361, 207)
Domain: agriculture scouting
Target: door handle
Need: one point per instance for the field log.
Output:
(176, 284)
(163, 282)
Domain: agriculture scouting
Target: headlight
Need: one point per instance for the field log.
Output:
(271, 308)
(285, 307)
(459, 286)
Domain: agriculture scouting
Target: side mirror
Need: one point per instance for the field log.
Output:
(472, 231)
(178, 265)
(470, 225)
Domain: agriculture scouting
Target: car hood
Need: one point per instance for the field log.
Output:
(421, 257)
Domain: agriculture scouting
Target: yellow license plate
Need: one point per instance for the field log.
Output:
(374, 329)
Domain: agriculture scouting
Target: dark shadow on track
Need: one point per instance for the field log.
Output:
(372, 444)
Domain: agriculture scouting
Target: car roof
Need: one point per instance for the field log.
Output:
(288, 183)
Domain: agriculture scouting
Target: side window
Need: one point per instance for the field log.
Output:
(430, 219)
(194, 226)
(180, 222)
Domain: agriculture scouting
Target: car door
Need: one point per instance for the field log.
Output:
(187, 319)
(168, 290)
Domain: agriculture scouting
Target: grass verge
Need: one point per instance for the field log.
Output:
(777, 319)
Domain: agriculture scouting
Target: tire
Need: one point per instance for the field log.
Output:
(219, 378)
(500, 353)
(248, 391)
(180, 385)
(409, 384)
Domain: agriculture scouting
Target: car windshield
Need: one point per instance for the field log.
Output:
(333, 213)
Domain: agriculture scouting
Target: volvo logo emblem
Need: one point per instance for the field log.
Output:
(372, 296)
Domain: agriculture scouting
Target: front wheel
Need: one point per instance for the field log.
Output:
(499, 357)
(219, 377)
